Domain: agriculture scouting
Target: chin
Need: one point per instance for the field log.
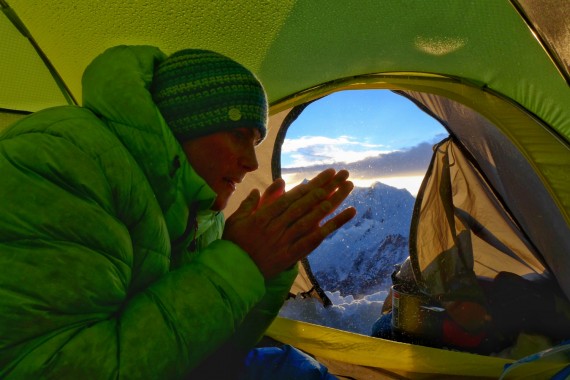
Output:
(219, 204)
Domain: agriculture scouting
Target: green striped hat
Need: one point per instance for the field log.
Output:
(199, 92)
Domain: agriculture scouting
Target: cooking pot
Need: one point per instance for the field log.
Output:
(415, 317)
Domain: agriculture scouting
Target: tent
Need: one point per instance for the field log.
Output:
(495, 73)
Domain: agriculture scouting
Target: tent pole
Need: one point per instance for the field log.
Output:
(550, 52)
(18, 24)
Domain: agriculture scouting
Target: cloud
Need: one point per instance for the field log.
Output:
(401, 169)
(320, 150)
(410, 183)
(411, 161)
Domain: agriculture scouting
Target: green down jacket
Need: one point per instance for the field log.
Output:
(97, 281)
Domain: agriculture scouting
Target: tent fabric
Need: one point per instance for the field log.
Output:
(476, 236)
(401, 359)
(511, 174)
(7, 118)
(492, 136)
(27, 84)
(479, 254)
(295, 45)
(549, 23)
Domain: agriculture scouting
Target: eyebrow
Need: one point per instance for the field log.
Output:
(254, 132)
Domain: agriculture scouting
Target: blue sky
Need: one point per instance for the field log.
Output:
(351, 127)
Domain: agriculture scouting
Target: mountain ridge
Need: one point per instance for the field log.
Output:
(359, 258)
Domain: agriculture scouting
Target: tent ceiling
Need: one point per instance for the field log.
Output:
(294, 45)
(26, 83)
(550, 21)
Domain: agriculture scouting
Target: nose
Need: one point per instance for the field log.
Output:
(249, 160)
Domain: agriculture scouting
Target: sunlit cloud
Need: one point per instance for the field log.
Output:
(411, 183)
(320, 150)
(306, 141)
(403, 169)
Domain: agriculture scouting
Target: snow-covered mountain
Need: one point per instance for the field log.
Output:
(359, 258)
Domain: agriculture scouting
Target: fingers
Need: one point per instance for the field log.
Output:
(324, 177)
(310, 242)
(319, 194)
(284, 202)
(337, 222)
(243, 212)
(274, 191)
(249, 204)
(339, 178)
(312, 218)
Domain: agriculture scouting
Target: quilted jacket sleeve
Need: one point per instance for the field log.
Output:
(85, 290)
(251, 330)
(232, 354)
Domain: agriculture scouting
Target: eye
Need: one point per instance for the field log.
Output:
(245, 134)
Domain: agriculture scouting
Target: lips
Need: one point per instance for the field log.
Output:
(232, 182)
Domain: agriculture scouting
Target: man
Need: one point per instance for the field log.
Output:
(111, 247)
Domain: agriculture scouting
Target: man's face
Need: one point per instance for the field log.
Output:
(223, 159)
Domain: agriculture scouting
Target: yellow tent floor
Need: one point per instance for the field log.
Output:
(341, 349)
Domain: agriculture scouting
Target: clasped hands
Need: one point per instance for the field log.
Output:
(279, 228)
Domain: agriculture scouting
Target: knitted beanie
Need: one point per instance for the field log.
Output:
(199, 92)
